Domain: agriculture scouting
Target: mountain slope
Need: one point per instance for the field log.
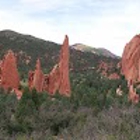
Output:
(28, 48)
(98, 51)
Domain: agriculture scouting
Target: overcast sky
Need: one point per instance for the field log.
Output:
(108, 24)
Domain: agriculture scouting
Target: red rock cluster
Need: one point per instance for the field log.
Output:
(57, 79)
(54, 80)
(131, 66)
(64, 68)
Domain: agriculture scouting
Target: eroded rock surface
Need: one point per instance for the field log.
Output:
(54, 80)
(131, 66)
(9, 72)
(36, 78)
(64, 68)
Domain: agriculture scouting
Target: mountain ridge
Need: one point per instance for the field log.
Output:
(78, 46)
(28, 49)
(98, 51)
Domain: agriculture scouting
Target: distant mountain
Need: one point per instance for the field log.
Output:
(28, 48)
(98, 51)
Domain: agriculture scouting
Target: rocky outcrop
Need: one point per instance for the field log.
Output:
(54, 80)
(131, 60)
(36, 78)
(58, 78)
(133, 96)
(9, 72)
(131, 65)
(64, 68)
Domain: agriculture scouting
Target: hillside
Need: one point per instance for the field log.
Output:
(28, 48)
(82, 115)
(98, 51)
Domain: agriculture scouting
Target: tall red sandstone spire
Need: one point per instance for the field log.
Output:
(36, 78)
(9, 72)
(54, 80)
(64, 68)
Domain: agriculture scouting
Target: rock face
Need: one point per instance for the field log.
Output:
(36, 78)
(58, 79)
(131, 60)
(64, 68)
(131, 65)
(9, 73)
(54, 80)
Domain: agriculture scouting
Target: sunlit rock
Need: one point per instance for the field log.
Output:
(131, 66)
(36, 78)
(9, 72)
(64, 68)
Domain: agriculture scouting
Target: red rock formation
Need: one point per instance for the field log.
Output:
(36, 78)
(54, 80)
(64, 68)
(133, 96)
(58, 79)
(131, 60)
(30, 79)
(131, 64)
(9, 73)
